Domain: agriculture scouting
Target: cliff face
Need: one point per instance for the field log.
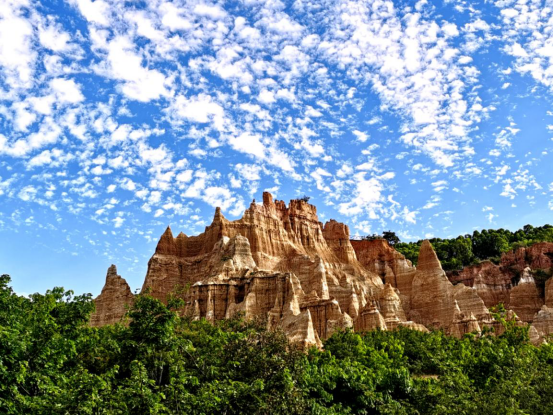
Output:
(437, 303)
(513, 283)
(280, 263)
(495, 282)
(111, 303)
(272, 246)
(393, 268)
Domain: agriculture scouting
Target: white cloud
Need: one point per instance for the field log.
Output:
(218, 196)
(255, 99)
(409, 216)
(124, 64)
(17, 56)
(66, 90)
(250, 172)
(118, 222)
(249, 144)
(199, 109)
(266, 97)
(48, 133)
(414, 72)
(214, 12)
(28, 193)
(439, 185)
(527, 31)
(319, 176)
(184, 176)
(508, 190)
(52, 158)
(94, 11)
(360, 136)
(366, 197)
(55, 38)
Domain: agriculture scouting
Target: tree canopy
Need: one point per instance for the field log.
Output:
(158, 362)
(455, 253)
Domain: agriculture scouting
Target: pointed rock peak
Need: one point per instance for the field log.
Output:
(112, 272)
(268, 199)
(253, 206)
(303, 208)
(428, 260)
(115, 282)
(182, 236)
(218, 216)
(166, 244)
(168, 232)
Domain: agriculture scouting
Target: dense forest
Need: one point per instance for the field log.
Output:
(53, 362)
(469, 249)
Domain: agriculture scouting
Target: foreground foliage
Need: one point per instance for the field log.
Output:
(52, 362)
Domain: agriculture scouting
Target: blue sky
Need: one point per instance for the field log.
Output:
(120, 118)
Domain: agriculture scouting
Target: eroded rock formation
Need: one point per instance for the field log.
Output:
(513, 282)
(112, 301)
(280, 263)
(494, 283)
(393, 268)
(525, 298)
(437, 303)
(542, 324)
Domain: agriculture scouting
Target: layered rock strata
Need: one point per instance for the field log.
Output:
(393, 268)
(280, 263)
(494, 283)
(437, 303)
(513, 283)
(112, 302)
(525, 299)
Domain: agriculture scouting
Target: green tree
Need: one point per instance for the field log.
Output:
(391, 237)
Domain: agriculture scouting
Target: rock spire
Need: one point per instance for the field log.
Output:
(279, 262)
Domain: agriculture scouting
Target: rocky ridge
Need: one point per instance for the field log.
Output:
(280, 263)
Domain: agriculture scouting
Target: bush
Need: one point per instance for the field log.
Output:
(52, 362)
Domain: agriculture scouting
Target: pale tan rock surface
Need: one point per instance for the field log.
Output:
(437, 303)
(542, 324)
(112, 301)
(393, 268)
(391, 307)
(370, 319)
(281, 264)
(491, 283)
(271, 239)
(282, 239)
(432, 304)
(525, 298)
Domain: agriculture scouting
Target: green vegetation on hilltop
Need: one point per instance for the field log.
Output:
(52, 362)
(466, 250)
